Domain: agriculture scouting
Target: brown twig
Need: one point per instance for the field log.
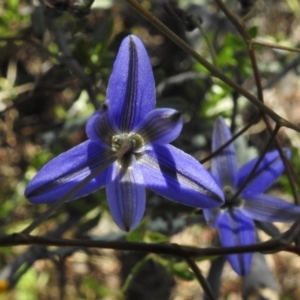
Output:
(233, 138)
(71, 62)
(271, 246)
(275, 46)
(250, 176)
(201, 279)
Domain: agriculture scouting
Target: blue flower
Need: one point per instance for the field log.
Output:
(234, 219)
(132, 139)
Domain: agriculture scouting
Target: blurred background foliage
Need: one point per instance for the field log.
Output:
(55, 60)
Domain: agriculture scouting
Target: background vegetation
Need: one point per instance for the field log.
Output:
(55, 60)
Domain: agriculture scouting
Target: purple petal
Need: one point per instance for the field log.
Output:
(101, 128)
(131, 88)
(176, 175)
(65, 171)
(160, 126)
(224, 165)
(211, 215)
(236, 229)
(267, 208)
(268, 171)
(126, 195)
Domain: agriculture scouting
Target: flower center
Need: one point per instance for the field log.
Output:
(135, 140)
(230, 200)
(127, 144)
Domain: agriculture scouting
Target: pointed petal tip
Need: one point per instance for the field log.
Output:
(267, 208)
(176, 116)
(221, 126)
(131, 87)
(242, 269)
(220, 120)
(126, 225)
(236, 229)
(269, 170)
(288, 152)
(160, 126)
(216, 196)
(67, 170)
(224, 166)
(173, 174)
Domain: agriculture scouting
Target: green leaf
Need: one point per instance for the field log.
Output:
(102, 290)
(28, 286)
(155, 237)
(253, 31)
(181, 270)
(13, 5)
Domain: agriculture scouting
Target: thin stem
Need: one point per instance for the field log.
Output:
(249, 178)
(201, 279)
(208, 43)
(134, 272)
(275, 46)
(233, 138)
(290, 235)
(71, 62)
(125, 147)
(273, 245)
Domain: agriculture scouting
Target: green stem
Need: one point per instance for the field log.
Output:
(134, 272)
(208, 43)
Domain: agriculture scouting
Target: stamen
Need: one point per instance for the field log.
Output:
(230, 201)
(118, 141)
(135, 141)
(125, 145)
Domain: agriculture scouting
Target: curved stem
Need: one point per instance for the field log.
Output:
(249, 178)
(271, 246)
(208, 43)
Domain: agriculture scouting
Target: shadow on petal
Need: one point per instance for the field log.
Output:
(161, 126)
(131, 87)
(224, 165)
(235, 229)
(126, 195)
(68, 169)
(176, 175)
(268, 171)
(267, 208)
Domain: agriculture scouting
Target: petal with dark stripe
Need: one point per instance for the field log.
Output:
(126, 195)
(131, 88)
(267, 208)
(211, 215)
(236, 229)
(160, 126)
(224, 164)
(68, 169)
(176, 175)
(268, 171)
(101, 128)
